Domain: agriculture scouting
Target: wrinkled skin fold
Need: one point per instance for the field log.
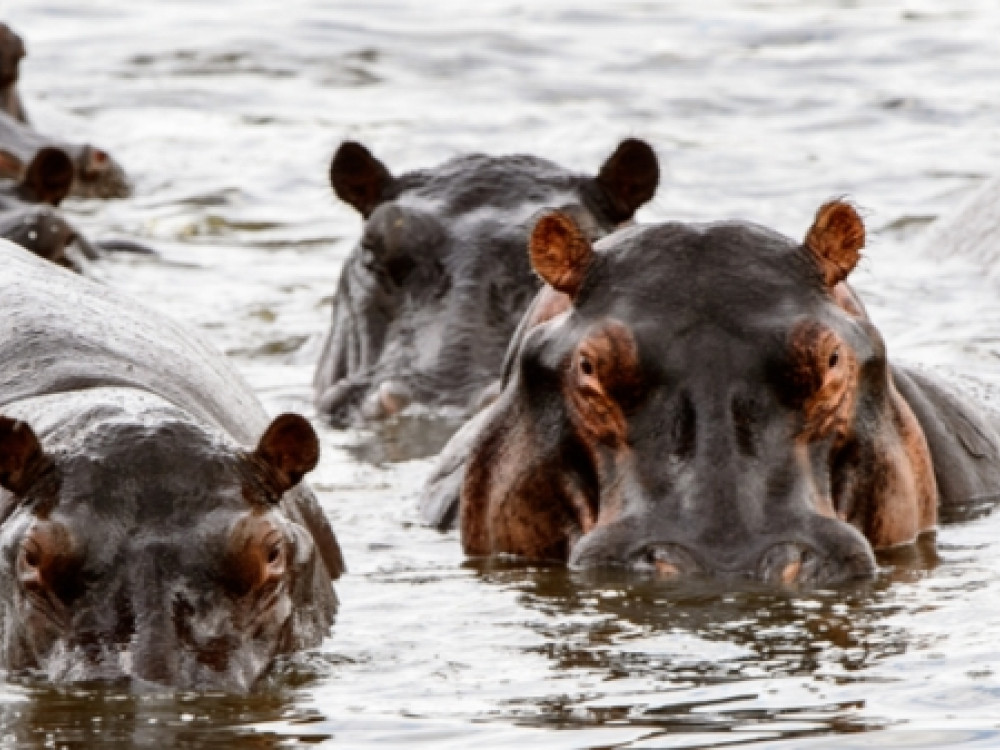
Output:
(153, 523)
(427, 301)
(708, 400)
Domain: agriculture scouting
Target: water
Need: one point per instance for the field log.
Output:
(226, 115)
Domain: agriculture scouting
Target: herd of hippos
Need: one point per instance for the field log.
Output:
(678, 399)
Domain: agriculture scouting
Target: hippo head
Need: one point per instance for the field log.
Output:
(428, 300)
(11, 53)
(700, 399)
(155, 552)
(99, 174)
(27, 216)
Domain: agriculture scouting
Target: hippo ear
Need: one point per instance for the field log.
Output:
(358, 177)
(290, 449)
(560, 252)
(629, 177)
(21, 456)
(835, 240)
(49, 177)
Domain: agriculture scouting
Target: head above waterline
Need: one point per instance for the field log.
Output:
(137, 546)
(699, 399)
(429, 298)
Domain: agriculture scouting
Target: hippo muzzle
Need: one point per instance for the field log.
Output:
(824, 552)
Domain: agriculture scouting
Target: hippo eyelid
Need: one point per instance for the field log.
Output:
(31, 553)
(274, 542)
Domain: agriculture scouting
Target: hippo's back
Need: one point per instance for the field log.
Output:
(61, 333)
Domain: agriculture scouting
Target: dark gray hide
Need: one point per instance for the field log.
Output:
(148, 540)
(430, 296)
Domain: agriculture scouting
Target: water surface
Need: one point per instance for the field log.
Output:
(226, 115)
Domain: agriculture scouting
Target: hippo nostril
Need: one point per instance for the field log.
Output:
(788, 563)
(388, 400)
(394, 397)
(667, 560)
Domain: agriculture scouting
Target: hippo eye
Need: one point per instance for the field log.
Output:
(274, 553)
(32, 555)
(586, 366)
(834, 358)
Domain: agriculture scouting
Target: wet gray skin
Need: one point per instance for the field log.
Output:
(428, 299)
(709, 400)
(28, 214)
(97, 174)
(153, 527)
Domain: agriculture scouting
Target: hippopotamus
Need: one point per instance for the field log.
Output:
(428, 299)
(97, 174)
(154, 525)
(12, 51)
(28, 214)
(709, 399)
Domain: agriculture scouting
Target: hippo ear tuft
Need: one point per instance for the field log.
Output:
(835, 240)
(49, 177)
(560, 252)
(290, 448)
(358, 178)
(629, 177)
(21, 456)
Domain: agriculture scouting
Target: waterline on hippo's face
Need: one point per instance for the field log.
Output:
(430, 297)
(708, 400)
(151, 552)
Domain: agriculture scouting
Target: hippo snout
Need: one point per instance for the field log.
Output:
(831, 553)
(387, 400)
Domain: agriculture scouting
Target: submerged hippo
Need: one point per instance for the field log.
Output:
(97, 174)
(11, 53)
(429, 298)
(28, 215)
(708, 399)
(153, 525)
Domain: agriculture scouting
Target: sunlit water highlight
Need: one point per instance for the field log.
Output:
(226, 115)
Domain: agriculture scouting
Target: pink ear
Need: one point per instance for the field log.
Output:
(290, 448)
(21, 455)
(835, 240)
(560, 252)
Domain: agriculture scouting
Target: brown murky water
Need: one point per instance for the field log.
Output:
(226, 114)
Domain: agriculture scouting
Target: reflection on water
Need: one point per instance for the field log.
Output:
(762, 110)
(702, 656)
(403, 438)
(41, 717)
